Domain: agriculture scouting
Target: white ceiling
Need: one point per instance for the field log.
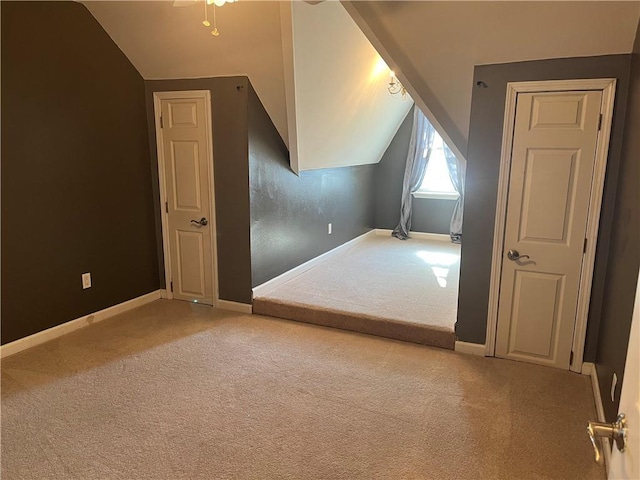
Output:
(167, 42)
(435, 45)
(338, 103)
(343, 112)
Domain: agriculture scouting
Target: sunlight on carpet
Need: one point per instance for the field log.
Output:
(381, 280)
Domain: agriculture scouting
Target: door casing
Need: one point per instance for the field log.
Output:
(608, 87)
(157, 99)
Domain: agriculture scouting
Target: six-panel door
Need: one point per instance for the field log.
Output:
(186, 164)
(552, 163)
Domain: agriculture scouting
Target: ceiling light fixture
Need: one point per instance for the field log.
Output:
(216, 3)
(396, 87)
(219, 3)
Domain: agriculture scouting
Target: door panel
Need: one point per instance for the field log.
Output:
(185, 166)
(558, 111)
(190, 255)
(552, 162)
(188, 189)
(183, 114)
(548, 194)
(535, 320)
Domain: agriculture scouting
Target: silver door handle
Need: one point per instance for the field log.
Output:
(202, 222)
(616, 432)
(514, 255)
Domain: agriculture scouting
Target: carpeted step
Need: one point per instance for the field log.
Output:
(405, 331)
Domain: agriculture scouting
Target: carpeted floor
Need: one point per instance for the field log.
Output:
(406, 290)
(181, 391)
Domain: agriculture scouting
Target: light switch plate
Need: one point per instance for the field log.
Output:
(86, 280)
(614, 382)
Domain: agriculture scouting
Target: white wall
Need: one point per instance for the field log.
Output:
(341, 109)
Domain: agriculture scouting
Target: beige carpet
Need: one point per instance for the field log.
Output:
(180, 391)
(405, 290)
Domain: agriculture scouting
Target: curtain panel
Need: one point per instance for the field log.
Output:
(420, 147)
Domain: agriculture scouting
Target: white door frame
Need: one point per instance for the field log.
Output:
(157, 99)
(608, 88)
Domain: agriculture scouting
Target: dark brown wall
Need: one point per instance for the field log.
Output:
(231, 176)
(76, 182)
(428, 215)
(485, 141)
(624, 253)
(290, 213)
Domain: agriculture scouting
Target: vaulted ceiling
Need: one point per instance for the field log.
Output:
(432, 45)
(164, 41)
(340, 111)
(435, 45)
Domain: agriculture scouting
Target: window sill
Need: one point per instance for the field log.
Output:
(436, 195)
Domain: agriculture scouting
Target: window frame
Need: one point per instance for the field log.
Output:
(431, 194)
(436, 195)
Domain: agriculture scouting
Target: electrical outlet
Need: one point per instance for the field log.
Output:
(614, 382)
(86, 281)
(329, 228)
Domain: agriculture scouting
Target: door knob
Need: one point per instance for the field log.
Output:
(514, 255)
(202, 222)
(616, 432)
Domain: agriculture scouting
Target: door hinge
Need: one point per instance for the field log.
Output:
(171, 285)
(571, 359)
(600, 123)
(166, 207)
(584, 246)
(162, 121)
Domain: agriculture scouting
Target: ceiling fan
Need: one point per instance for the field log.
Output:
(216, 3)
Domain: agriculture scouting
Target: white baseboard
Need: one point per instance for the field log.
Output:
(266, 287)
(234, 306)
(470, 348)
(589, 368)
(421, 235)
(72, 325)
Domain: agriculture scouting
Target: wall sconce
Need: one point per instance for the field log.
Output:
(395, 87)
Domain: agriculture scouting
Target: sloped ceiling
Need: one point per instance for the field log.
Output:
(340, 111)
(435, 45)
(164, 41)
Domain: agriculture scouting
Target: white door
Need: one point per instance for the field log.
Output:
(626, 465)
(187, 162)
(552, 164)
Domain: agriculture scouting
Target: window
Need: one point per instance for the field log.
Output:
(437, 183)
